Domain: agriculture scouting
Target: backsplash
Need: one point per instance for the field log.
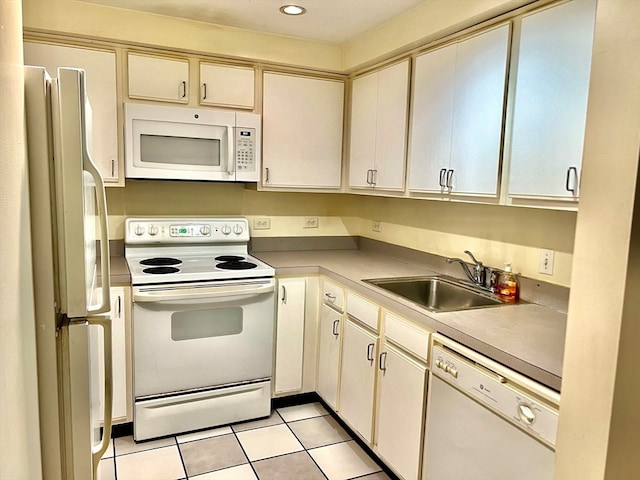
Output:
(495, 234)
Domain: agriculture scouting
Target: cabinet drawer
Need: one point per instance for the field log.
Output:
(407, 336)
(362, 310)
(333, 294)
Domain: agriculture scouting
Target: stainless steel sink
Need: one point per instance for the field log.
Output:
(437, 293)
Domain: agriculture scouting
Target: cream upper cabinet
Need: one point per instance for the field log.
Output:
(100, 68)
(158, 78)
(227, 86)
(457, 116)
(552, 68)
(357, 380)
(379, 128)
(290, 334)
(302, 121)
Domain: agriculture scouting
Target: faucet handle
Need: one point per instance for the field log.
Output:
(473, 258)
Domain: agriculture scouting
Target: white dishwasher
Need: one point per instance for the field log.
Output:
(485, 421)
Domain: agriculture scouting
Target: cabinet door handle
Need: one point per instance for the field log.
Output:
(184, 89)
(284, 295)
(374, 177)
(567, 183)
(204, 91)
(382, 363)
(330, 296)
(369, 177)
(113, 167)
(119, 306)
(370, 352)
(266, 175)
(334, 329)
(443, 172)
(449, 179)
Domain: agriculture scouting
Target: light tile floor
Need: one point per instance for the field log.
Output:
(302, 442)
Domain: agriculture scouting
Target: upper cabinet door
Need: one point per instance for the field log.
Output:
(458, 105)
(550, 108)
(100, 69)
(227, 86)
(302, 131)
(432, 119)
(481, 69)
(157, 78)
(362, 149)
(379, 128)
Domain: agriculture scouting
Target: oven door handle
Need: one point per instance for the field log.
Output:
(191, 293)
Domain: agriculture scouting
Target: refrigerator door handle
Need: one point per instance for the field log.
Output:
(98, 450)
(101, 203)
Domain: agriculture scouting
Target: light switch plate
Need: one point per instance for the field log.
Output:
(546, 261)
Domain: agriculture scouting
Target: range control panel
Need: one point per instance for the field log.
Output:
(186, 230)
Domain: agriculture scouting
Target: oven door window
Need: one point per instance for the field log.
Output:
(216, 322)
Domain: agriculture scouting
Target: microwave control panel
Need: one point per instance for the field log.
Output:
(245, 149)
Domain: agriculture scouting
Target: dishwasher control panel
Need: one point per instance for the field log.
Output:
(482, 381)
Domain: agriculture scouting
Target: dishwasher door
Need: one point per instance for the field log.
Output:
(482, 424)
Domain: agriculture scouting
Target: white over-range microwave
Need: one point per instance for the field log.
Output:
(180, 143)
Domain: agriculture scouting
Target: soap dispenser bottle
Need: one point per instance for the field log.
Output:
(508, 285)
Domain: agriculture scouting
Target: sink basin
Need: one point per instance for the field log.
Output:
(437, 293)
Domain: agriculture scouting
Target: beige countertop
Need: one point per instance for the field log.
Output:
(526, 337)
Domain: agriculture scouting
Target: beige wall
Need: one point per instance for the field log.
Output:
(98, 21)
(429, 21)
(19, 432)
(495, 234)
(599, 431)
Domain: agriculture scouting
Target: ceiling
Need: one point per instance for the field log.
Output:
(333, 21)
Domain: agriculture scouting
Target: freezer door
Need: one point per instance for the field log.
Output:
(85, 357)
(80, 200)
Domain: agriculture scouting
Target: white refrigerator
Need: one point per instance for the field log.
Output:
(70, 251)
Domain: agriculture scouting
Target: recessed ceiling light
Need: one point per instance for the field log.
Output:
(292, 9)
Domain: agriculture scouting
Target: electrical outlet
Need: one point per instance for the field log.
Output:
(310, 222)
(376, 226)
(546, 261)
(261, 223)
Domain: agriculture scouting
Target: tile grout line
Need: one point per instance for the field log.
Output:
(184, 465)
(305, 448)
(235, 434)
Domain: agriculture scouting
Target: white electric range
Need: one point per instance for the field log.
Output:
(203, 322)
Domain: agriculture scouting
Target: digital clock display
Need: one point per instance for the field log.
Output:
(182, 230)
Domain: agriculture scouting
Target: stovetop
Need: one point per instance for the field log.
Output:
(177, 250)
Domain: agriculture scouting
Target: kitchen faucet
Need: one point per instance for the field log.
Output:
(478, 275)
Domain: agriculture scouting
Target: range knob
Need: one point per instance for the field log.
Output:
(205, 230)
(138, 230)
(153, 230)
(226, 230)
(238, 229)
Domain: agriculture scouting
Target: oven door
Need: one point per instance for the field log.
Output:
(192, 337)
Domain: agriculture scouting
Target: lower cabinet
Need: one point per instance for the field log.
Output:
(376, 382)
(402, 385)
(289, 335)
(329, 355)
(121, 358)
(357, 380)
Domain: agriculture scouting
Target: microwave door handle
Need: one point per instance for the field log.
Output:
(231, 149)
